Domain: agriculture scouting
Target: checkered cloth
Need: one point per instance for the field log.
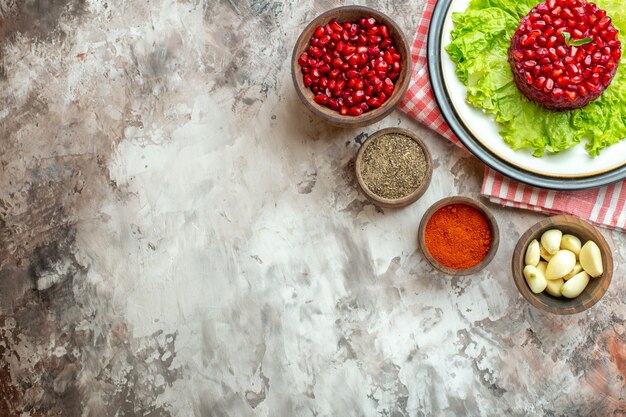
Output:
(602, 206)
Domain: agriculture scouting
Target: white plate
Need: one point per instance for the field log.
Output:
(572, 163)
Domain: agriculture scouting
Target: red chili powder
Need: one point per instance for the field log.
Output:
(458, 236)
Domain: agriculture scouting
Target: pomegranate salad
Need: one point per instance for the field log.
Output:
(550, 72)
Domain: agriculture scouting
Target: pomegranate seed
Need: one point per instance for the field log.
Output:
(383, 31)
(349, 50)
(388, 86)
(549, 84)
(604, 22)
(373, 51)
(372, 31)
(315, 51)
(567, 14)
(562, 81)
(529, 54)
(358, 96)
(540, 82)
(528, 41)
(529, 78)
(552, 54)
(355, 111)
(321, 99)
(381, 66)
(373, 102)
(386, 43)
(616, 54)
(539, 24)
(571, 95)
(303, 59)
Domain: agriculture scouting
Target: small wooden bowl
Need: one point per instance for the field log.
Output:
(400, 202)
(597, 286)
(495, 233)
(352, 14)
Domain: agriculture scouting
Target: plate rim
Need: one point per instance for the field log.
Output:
(435, 70)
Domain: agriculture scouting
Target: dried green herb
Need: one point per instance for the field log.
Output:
(393, 166)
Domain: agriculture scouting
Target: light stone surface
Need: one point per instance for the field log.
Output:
(179, 237)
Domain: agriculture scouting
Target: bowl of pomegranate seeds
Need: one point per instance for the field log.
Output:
(564, 54)
(351, 66)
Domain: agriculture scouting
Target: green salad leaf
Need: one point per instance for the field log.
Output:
(576, 42)
(480, 41)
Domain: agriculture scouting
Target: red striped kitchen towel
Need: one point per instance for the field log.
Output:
(602, 206)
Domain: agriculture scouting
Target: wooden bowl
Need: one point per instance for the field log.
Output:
(495, 233)
(399, 202)
(597, 286)
(352, 14)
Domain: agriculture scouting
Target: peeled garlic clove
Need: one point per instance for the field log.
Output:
(535, 279)
(577, 269)
(532, 253)
(554, 287)
(551, 240)
(542, 266)
(591, 259)
(544, 253)
(560, 264)
(575, 286)
(571, 243)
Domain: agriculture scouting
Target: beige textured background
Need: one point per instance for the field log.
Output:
(179, 237)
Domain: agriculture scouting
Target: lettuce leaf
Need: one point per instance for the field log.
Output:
(480, 43)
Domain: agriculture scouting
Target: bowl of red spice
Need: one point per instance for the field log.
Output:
(351, 66)
(458, 236)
